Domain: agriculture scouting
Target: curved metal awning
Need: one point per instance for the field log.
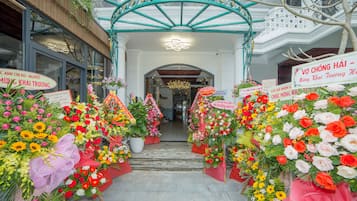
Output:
(215, 16)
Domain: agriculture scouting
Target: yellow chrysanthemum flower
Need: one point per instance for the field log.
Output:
(34, 147)
(262, 178)
(80, 106)
(260, 197)
(270, 189)
(26, 134)
(41, 135)
(18, 146)
(280, 195)
(39, 127)
(255, 166)
(2, 143)
(52, 138)
(261, 185)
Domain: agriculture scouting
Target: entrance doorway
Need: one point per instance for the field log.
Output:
(174, 87)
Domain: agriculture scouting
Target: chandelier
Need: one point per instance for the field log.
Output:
(176, 45)
(178, 84)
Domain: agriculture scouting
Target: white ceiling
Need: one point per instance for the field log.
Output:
(206, 42)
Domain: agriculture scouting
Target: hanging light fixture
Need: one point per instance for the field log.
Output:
(176, 44)
(178, 84)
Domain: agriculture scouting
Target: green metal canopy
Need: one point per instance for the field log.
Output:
(210, 16)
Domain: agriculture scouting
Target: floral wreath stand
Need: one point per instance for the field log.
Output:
(153, 138)
(118, 169)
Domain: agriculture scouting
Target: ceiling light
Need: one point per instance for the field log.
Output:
(176, 44)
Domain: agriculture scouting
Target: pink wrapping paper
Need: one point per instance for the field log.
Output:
(307, 191)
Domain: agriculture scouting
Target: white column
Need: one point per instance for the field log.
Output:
(239, 65)
(120, 72)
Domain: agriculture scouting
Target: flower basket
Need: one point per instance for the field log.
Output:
(108, 178)
(152, 140)
(218, 173)
(235, 174)
(119, 169)
(199, 149)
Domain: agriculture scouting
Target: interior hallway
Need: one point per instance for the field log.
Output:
(173, 131)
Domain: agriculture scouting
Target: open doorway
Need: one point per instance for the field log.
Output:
(174, 87)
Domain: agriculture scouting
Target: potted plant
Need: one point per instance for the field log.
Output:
(112, 83)
(138, 131)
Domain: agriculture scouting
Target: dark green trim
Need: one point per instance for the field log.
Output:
(211, 18)
(151, 18)
(198, 14)
(163, 12)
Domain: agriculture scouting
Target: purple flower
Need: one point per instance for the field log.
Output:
(18, 128)
(42, 98)
(6, 114)
(19, 107)
(41, 111)
(16, 119)
(23, 113)
(44, 144)
(5, 126)
(8, 102)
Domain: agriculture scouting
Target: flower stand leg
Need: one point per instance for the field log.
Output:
(119, 169)
(218, 173)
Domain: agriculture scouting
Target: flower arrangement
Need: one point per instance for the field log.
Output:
(252, 106)
(122, 153)
(242, 85)
(220, 126)
(83, 183)
(153, 121)
(30, 127)
(113, 83)
(316, 137)
(213, 156)
(264, 189)
(106, 157)
(86, 121)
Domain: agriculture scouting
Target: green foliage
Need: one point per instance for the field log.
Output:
(139, 111)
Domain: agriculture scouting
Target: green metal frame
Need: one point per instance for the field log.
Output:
(208, 25)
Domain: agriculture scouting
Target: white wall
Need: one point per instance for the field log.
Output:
(141, 62)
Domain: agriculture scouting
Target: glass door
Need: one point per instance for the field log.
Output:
(73, 80)
(51, 67)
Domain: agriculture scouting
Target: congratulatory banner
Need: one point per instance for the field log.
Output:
(336, 69)
(28, 80)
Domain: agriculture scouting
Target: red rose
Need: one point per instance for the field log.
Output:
(82, 178)
(312, 96)
(300, 146)
(60, 190)
(73, 184)
(287, 142)
(67, 109)
(85, 185)
(348, 121)
(334, 99)
(75, 118)
(87, 116)
(337, 128)
(92, 169)
(312, 132)
(349, 160)
(76, 175)
(325, 181)
(282, 160)
(97, 141)
(66, 118)
(293, 108)
(305, 122)
(68, 194)
(268, 129)
(346, 101)
(87, 122)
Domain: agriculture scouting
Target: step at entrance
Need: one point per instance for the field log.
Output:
(167, 156)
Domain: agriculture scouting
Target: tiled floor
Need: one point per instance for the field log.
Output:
(172, 186)
(173, 131)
